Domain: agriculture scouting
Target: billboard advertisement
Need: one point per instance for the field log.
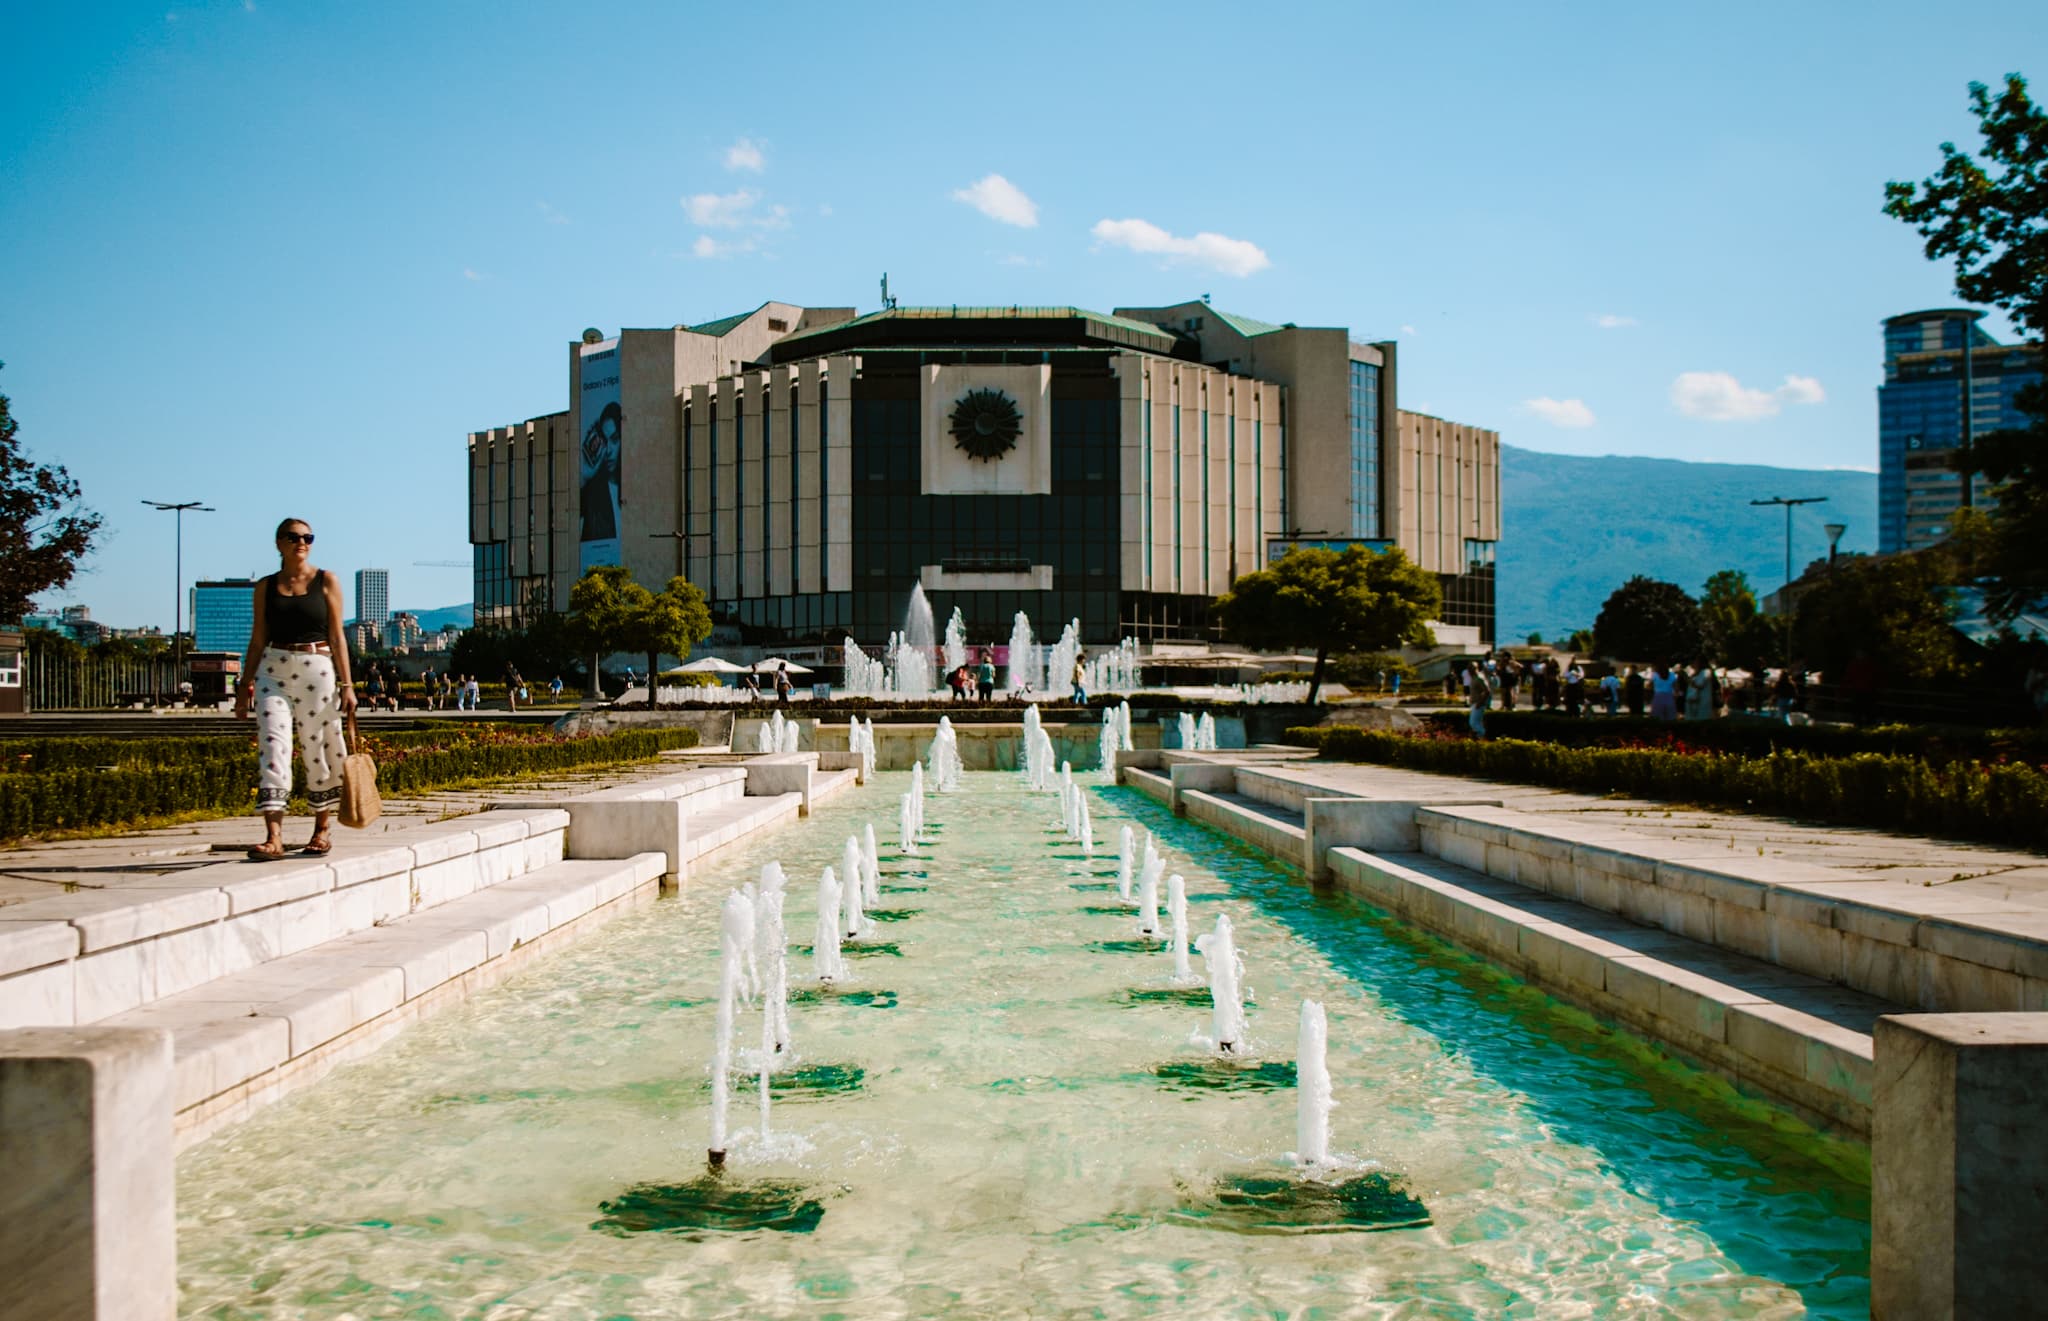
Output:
(604, 430)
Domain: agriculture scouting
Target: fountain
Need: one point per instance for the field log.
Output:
(852, 921)
(853, 864)
(864, 674)
(913, 658)
(956, 641)
(1205, 733)
(860, 738)
(1313, 1101)
(1218, 949)
(947, 766)
(906, 825)
(1123, 720)
(1106, 745)
(736, 944)
(1025, 674)
(1148, 895)
(826, 960)
(1059, 667)
(1084, 826)
(765, 736)
(772, 944)
(1124, 860)
(871, 859)
(1177, 916)
(1185, 726)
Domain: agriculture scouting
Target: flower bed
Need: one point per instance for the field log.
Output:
(2003, 803)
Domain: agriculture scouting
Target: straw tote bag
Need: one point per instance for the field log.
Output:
(360, 804)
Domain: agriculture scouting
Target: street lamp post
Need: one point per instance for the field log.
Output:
(1786, 599)
(178, 584)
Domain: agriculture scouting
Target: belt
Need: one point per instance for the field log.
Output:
(319, 647)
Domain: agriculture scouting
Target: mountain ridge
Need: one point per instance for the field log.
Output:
(1574, 527)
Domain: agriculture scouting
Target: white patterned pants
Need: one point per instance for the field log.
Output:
(298, 687)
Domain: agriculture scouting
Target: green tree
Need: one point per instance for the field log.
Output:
(1535, 639)
(1993, 224)
(672, 620)
(44, 531)
(1896, 608)
(1354, 600)
(1647, 620)
(1727, 604)
(1580, 642)
(602, 607)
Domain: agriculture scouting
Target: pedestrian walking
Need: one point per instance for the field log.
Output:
(782, 682)
(985, 677)
(1699, 694)
(1080, 678)
(1479, 693)
(1663, 694)
(1610, 692)
(1574, 691)
(296, 675)
(515, 688)
(1785, 695)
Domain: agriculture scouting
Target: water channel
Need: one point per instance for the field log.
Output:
(1011, 1111)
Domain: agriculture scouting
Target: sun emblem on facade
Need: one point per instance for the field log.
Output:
(986, 423)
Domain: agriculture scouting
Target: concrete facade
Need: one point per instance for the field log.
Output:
(769, 459)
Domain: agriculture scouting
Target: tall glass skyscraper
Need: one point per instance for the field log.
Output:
(373, 596)
(222, 613)
(1921, 417)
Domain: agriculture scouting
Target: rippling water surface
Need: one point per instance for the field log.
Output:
(1013, 1149)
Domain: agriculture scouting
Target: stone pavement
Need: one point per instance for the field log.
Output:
(1983, 870)
(36, 870)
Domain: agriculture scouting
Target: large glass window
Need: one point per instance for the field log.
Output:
(1365, 449)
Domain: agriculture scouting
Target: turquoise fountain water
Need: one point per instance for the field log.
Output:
(1038, 1122)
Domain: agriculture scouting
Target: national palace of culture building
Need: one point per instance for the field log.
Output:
(806, 466)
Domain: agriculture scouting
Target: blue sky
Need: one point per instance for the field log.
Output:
(282, 257)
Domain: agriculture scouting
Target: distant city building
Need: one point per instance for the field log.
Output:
(223, 612)
(1920, 417)
(373, 596)
(403, 630)
(72, 621)
(807, 467)
(442, 639)
(363, 637)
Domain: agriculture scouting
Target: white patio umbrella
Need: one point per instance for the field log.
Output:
(707, 665)
(773, 663)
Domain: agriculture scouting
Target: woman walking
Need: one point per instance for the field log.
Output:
(296, 673)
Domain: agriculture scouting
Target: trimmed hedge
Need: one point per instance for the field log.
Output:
(1757, 736)
(1962, 800)
(206, 778)
(98, 753)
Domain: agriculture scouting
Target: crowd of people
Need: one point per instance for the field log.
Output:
(1663, 692)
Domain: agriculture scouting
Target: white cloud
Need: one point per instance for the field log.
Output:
(824, 208)
(1410, 330)
(469, 274)
(1719, 397)
(1571, 414)
(552, 216)
(745, 155)
(1218, 252)
(1609, 321)
(1018, 259)
(999, 199)
(718, 249)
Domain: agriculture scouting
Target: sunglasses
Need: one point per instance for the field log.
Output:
(303, 538)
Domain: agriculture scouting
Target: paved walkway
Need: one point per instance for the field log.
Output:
(2007, 874)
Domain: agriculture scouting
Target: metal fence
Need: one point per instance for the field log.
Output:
(90, 683)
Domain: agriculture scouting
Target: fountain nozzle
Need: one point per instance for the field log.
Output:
(715, 1161)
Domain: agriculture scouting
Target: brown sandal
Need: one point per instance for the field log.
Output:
(318, 846)
(263, 852)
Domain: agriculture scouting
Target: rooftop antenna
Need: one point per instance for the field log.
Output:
(888, 303)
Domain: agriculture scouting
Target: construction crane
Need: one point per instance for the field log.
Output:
(442, 564)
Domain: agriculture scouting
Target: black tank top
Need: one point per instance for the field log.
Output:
(292, 620)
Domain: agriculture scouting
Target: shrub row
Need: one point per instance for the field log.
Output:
(1758, 737)
(1963, 800)
(56, 754)
(431, 768)
(32, 802)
